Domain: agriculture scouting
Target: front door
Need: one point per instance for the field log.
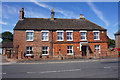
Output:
(83, 50)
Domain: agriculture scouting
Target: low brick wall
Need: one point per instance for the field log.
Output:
(21, 56)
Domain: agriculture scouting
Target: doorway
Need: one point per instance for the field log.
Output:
(83, 50)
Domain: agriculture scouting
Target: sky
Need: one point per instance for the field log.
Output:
(104, 14)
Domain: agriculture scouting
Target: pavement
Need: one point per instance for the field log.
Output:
(71, 68)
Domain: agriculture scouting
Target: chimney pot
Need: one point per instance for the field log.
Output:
(82, 16)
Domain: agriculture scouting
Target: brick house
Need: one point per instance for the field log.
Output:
(54, 36)
(117, 39)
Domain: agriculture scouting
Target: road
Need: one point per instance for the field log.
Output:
(104, 69)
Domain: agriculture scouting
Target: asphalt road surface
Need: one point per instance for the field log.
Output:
(107, 69)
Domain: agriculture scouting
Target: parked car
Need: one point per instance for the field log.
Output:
(118, 49)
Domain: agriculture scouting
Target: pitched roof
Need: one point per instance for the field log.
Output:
(57, 24)
(7, 45)
(117, 33)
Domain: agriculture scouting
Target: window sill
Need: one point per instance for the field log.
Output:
(45, 54)
(45, 40)
(69, 40)
(96, 39)
(60, 40)
(29, 40)
(29, 55)
(83, 40)
(70, 54)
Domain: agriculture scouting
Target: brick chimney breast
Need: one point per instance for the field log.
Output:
(21, 13)
(52, 15)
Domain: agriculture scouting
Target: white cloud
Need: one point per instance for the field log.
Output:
(98, 13)
(67, 14)
(4, 23)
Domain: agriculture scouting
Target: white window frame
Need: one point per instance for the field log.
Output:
(45, 31)
(97, 35)
(29, 51)
(28, 31)
(45, 50)
(62, 35)
(97, 48)
(84, 35)
(69, 31)
(70, 49)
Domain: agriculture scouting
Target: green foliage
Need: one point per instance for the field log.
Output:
(7, 36)
(110, 42)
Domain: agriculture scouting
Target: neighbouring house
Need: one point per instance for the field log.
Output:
(117, 39)
(6, 46)
(54, 36)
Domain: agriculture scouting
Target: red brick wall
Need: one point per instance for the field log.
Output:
(63, 48)
(76, 39)
(20, 39)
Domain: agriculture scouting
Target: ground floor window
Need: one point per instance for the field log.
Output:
(97, 47)
(29, 50)
(45, 50)
(69, 50)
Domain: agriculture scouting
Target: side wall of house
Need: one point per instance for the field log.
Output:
(117, 41)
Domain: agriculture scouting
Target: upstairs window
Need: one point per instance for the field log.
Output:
(97, 47)
(59, 35)
(44, 36)
(96, 35)
(29, 35)
(69, 50)
(69, 36)
(45, 50)
(83, 35)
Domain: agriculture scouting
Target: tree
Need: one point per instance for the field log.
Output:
(7, 36)
(110, 42)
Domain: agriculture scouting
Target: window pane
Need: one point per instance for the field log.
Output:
(59, 36)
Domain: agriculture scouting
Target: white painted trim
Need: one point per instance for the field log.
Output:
(83, 31)
(60, 40)
(98, 37)
(83, 39)
(70, 54)
(29, 30)
(72, 50)
(48, 51)
(62, 35)
(96, 31)
(29, 40)
(59, 31)
(69, 30)
(29, 55)
(44, 30)
(48, 35)
(72, 36)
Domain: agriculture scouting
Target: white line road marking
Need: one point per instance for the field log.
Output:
(107, 67)
(2, 73)
(55, 71)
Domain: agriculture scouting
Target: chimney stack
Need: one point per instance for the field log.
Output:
(21, 13)
(82, 16)
(52, 15)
